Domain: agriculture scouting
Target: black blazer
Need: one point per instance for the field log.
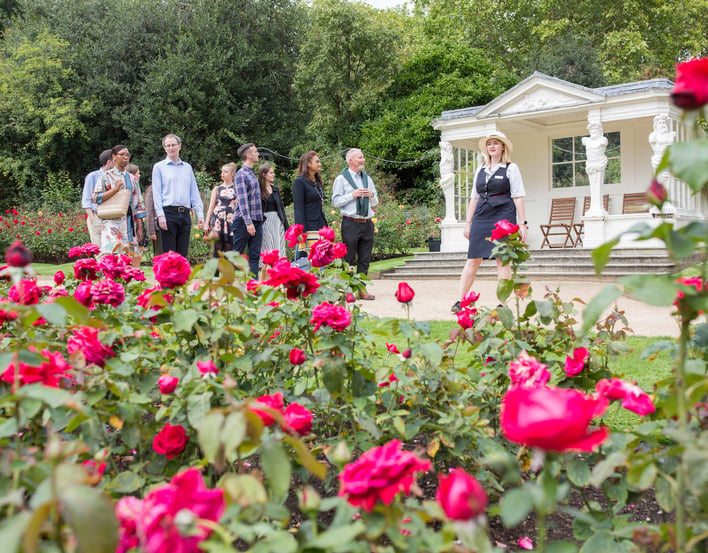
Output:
(308, 202)
(276, 200)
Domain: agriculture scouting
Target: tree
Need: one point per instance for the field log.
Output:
(347, 58)
(39, 122)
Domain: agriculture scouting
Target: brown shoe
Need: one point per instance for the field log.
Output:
(366, 296)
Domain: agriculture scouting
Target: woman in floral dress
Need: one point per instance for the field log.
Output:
(217, 224)
(120, 235)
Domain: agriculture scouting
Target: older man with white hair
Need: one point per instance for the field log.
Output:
(354, 194)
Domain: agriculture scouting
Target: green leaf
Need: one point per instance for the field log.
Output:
(244, 489)
(282, 542)
(641, 475)
(277, 468)
(578, 471)
(333, 377)
(126, 482)
(400, 427)
(54, 397)
(652, 289)
(198, 406)
(515, 506)
(605, 468)
(53, 313)
(306, 458)
(601, 254)
(78, 311)
(33, 528)
(594, 309)
(337, 536)
(665, 496)
(601, 542)
(209, 434)
(12, 529)
(504, 289)
(689, 162)
(90, 515)
(185, 320)
(561, 547)
(8, 428)
(234, 433)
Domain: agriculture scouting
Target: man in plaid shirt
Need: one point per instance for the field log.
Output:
(247, 226)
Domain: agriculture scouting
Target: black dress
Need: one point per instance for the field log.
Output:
(308, 200)
(494, 204)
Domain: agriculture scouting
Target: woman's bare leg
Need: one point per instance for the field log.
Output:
(503, 271)
(468, 275)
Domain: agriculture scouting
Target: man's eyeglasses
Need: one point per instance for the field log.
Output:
(171, 145)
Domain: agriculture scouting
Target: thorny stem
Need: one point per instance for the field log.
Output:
(682, 427)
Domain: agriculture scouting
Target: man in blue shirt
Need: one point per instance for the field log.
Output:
(175, 194)
(247, 226)
(93, 223)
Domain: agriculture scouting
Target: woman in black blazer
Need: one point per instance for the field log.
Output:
(308, 194)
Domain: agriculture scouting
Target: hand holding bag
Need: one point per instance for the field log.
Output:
(116, 206)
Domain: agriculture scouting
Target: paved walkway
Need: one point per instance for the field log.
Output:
(433, 299)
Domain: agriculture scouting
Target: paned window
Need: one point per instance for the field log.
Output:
(568, 161)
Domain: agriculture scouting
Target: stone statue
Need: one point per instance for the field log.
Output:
(595, 164)
(447, 165)
(660, 139)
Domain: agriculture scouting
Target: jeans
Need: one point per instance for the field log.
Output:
(242, 240)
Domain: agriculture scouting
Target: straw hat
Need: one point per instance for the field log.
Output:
(500, 136)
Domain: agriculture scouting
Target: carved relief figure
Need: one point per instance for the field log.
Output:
(595, 145)
(660, 139)
(447, 165)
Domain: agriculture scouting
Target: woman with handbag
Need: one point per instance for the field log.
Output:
(120, 207)
(308, 195)
(220, 215)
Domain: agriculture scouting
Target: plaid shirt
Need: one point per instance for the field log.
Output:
(248, 196)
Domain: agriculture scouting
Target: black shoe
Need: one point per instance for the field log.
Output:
(456, 307)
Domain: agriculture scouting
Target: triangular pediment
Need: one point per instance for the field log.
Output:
(536, 93)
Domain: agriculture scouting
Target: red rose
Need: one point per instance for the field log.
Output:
(391, 379)
(327, 233)
(333, 316)
(86, 250)
(350, 298)
(59, 278)
(113, 266)
(297, 283)
(49, 372)
(294, 235)
(170, 441)
(469, 299)
(83, 294)
(633, 397)
(321, 253)
(552, 419)
(270, 256)
(379, 475)
(25, 292)
(405, 293)
(274, 401)
(298, 418)
(392, 348)
(574, 365)
(461, 496)
(465, 318)
(108, 292)
(17, 255)
(85, 340)
(171, 269)
(297, 356)
(85, 269)
(503, 228)
(207, 368)
(657, 194)
(691, 86)
(168, 384)
(528, 372)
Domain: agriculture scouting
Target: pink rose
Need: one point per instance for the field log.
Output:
(269, 257)
(171, 269)
(392, 348)
(503, 228)
(59, 278)
(168, 384)
(461, 496)
(574, 365)
(108, 292)
(350, 298)
(321, 253)
(298, 418)
(405, 293)
(633, 397)
(113, 266)
(379, 475)
(297, 283)
(333, 316)
(552, 419)
(465, 318)
(391, 379)
(691, 85)
(170, 441)
(274, 401)
(327, 233)
(207, 368)
(469, 299)
(294, 235)
(49, 372)
(297, 356)
(83, 294)
(94, 470)
(85, 250)
(528, 372)
(85, 340)
(17, 255)
(25, 292)
(340, 250)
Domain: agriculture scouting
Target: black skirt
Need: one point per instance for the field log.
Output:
(485, 217)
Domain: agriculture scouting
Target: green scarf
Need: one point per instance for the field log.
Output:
(362, 203)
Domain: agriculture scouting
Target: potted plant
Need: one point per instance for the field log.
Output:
(434, 237)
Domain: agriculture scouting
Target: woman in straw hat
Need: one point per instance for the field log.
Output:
(498, 194)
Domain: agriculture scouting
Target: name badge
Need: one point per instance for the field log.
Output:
(498, 176)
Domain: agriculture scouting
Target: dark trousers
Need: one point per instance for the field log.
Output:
(359, 239)
(243, 240)
(176, 237)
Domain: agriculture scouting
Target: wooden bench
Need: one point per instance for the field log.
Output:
(560, 224)
(635, 203)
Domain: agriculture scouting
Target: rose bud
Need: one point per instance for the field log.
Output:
(461, 496)
(17, 255)
(405, 293)
(167, 383)
(297, 356)
(657, 194)
(59, 278)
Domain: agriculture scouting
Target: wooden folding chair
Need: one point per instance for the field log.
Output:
(635, 203)
(579, 228)
(560, 224)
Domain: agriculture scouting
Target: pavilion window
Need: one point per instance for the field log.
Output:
(568, 161)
